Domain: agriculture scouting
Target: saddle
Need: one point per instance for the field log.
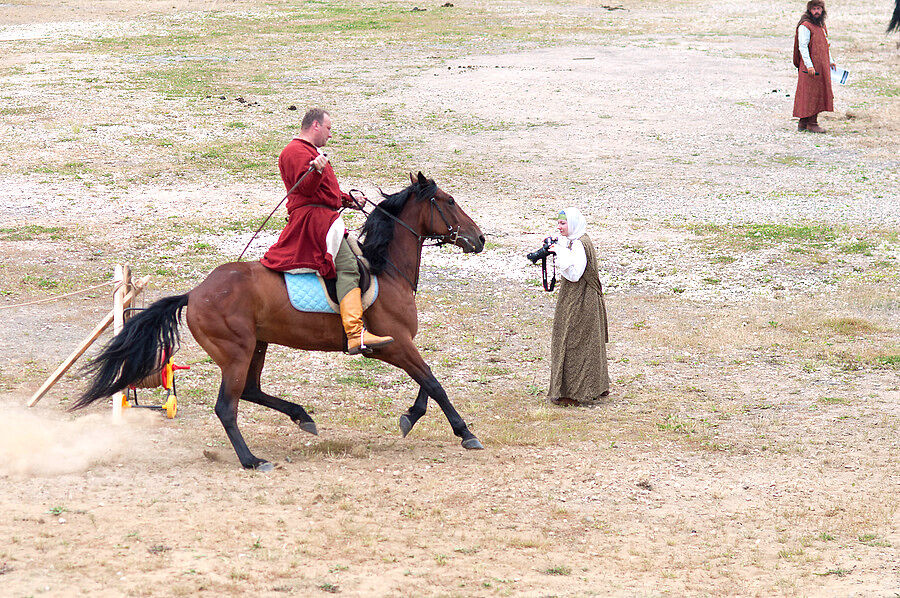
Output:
(312, 293)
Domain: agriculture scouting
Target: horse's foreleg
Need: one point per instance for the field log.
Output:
(405, 355)
(412, 415)
(254, 394)
(436, 392)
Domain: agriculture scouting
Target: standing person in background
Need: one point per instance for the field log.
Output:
(578, 368)
(813, 61)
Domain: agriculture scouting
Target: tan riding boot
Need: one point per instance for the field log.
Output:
(358, 339)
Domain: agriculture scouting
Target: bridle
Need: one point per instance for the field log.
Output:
(452, 235)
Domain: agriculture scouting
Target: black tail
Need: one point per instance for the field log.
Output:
(136, 352)
(895, 20)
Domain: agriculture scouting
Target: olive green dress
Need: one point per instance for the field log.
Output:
(578, 368)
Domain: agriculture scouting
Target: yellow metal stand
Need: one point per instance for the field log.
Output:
(166, 380)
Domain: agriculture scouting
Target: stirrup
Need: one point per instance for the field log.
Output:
(364, 348)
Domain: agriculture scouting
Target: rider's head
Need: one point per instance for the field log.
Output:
(316, 127)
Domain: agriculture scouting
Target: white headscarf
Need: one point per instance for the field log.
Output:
(577, 223)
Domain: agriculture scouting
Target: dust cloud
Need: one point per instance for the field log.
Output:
(36, 444)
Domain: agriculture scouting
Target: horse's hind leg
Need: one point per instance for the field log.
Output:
(254, 394)
(416, 411)
(227, 410)
(234, 357)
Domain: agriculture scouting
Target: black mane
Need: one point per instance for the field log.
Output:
(378, 231)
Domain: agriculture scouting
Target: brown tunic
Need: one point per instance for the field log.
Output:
(813, 91)
(578, 368)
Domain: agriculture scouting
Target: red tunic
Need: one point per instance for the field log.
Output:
(302, 242)
(813, 92)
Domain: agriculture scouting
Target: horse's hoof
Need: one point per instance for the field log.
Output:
(309, 427)
(264, 467)
(405, 425)
(472, 444)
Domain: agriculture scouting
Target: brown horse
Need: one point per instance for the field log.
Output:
(241, 307)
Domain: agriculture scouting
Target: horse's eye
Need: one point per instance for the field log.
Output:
(451, 201)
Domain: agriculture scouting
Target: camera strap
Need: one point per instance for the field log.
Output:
(548, 287)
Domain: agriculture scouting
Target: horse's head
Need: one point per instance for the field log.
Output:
(441, 217)
(426, 212)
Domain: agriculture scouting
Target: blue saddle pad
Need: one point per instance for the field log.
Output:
(307, 293)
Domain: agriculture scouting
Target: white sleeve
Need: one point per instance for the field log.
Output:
(803, 36)
(571, 262)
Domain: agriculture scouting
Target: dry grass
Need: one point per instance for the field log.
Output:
(748, 442)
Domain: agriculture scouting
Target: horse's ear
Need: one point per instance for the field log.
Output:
(412, 178)
(422, 179)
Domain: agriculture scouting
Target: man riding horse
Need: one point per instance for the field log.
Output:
(314, 239)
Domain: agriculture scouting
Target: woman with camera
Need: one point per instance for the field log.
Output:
(578, 369)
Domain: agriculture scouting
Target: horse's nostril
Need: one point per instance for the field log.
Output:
(481, 238)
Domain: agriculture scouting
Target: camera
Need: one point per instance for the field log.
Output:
(543, 252)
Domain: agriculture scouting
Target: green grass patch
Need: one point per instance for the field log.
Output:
(850, 326)
(20, 110)
(673, 423)
(880, 85)
(791, 160)
(890, 361)
(789, 233)
(706, 229)
(359, 378)
(65, 169)
(834, 400)
(42, 282)
(30, 231)
(183, 80)
(257, 157)
(839, 571)
(864, 247)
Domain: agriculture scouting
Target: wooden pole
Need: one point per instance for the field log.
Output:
(87, 342)
(118, 323)
(122, 399)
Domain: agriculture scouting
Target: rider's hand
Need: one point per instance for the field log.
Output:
(812, 71)
(354, 203)
(320, 162)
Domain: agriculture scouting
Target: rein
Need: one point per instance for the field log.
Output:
(297, 184)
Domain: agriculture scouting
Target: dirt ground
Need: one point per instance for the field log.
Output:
(750, 444)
